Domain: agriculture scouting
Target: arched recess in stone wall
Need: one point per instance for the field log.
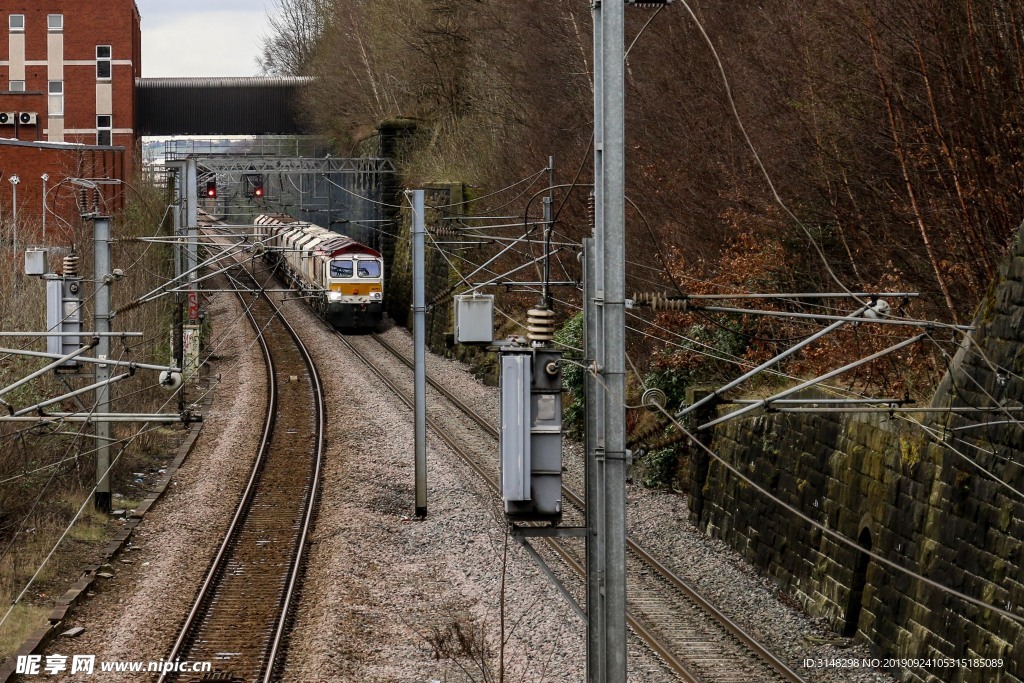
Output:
(855, 603)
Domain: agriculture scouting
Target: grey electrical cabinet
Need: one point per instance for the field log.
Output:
(35, 261)
(64, 314)
(531, 434)
(474, 319)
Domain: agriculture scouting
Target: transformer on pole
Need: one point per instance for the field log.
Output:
(531, 433)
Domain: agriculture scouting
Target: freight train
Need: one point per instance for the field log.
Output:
(342, 279)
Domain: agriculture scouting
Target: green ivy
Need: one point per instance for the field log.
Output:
(658, 468)
(570, 337)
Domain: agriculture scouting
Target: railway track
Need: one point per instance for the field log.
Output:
(241, 616)
(695, 640)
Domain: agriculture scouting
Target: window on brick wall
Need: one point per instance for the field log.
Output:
(16, 22)
(55, 22)
(103, 70)
(17, 86)
(56, 93)
(103, 130)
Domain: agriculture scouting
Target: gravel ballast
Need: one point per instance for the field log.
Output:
(387, 597)
(135, 616)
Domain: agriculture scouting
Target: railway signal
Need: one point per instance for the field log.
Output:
(211, 189)
(253, 183)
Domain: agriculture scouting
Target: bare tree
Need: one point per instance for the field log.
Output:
(295, 29)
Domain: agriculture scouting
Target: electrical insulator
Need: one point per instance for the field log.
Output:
(443, 231)
(877, 309)
(71, 265)
(660, 302)
(540, 324)
(654, 399)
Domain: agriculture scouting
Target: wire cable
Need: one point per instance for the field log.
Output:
(757, 157)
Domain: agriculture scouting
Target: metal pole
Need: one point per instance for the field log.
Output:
(14, 209)
(101, 323)
(42, 371)
(72, 394)
(811, 382)
(608, 664)
(87, 359)
(191, 194)
(45, 177)
(772, 361)
(330, 201)
(419, 309)
(548, 227)
(98, 420)
(178, 334)
(592, 473)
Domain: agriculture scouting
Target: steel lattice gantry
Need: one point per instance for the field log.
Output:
(341, 194)
(226, 165)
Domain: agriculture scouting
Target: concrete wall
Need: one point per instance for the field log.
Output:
(919, 499)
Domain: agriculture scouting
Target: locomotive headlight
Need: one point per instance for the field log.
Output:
(334, 296)
(375, 296)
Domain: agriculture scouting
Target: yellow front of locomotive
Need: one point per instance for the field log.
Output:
(355, 289)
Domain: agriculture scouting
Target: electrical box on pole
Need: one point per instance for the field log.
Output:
(35, 261)
(474, 318)
(531, 433)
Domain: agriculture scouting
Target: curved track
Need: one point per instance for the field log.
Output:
(241, 616)
(695, 640)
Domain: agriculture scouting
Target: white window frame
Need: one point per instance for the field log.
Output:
(109, 59)
(100, 129)
(55, 97)
(49, 23)
(16, 86)
(12, 27)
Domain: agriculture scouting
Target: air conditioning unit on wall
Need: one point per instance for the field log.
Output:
(7, 118)
(28, 118)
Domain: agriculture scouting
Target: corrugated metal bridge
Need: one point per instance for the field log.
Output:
(219, 106)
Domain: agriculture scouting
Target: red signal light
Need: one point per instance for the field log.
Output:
(253, 185)
(211, 189)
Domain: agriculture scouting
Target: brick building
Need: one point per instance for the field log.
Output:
(67, 94)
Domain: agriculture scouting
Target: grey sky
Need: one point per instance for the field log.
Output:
(201, 37)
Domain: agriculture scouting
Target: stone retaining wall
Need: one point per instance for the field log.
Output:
(920, 499)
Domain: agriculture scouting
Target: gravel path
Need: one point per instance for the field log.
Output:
(136, 615)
